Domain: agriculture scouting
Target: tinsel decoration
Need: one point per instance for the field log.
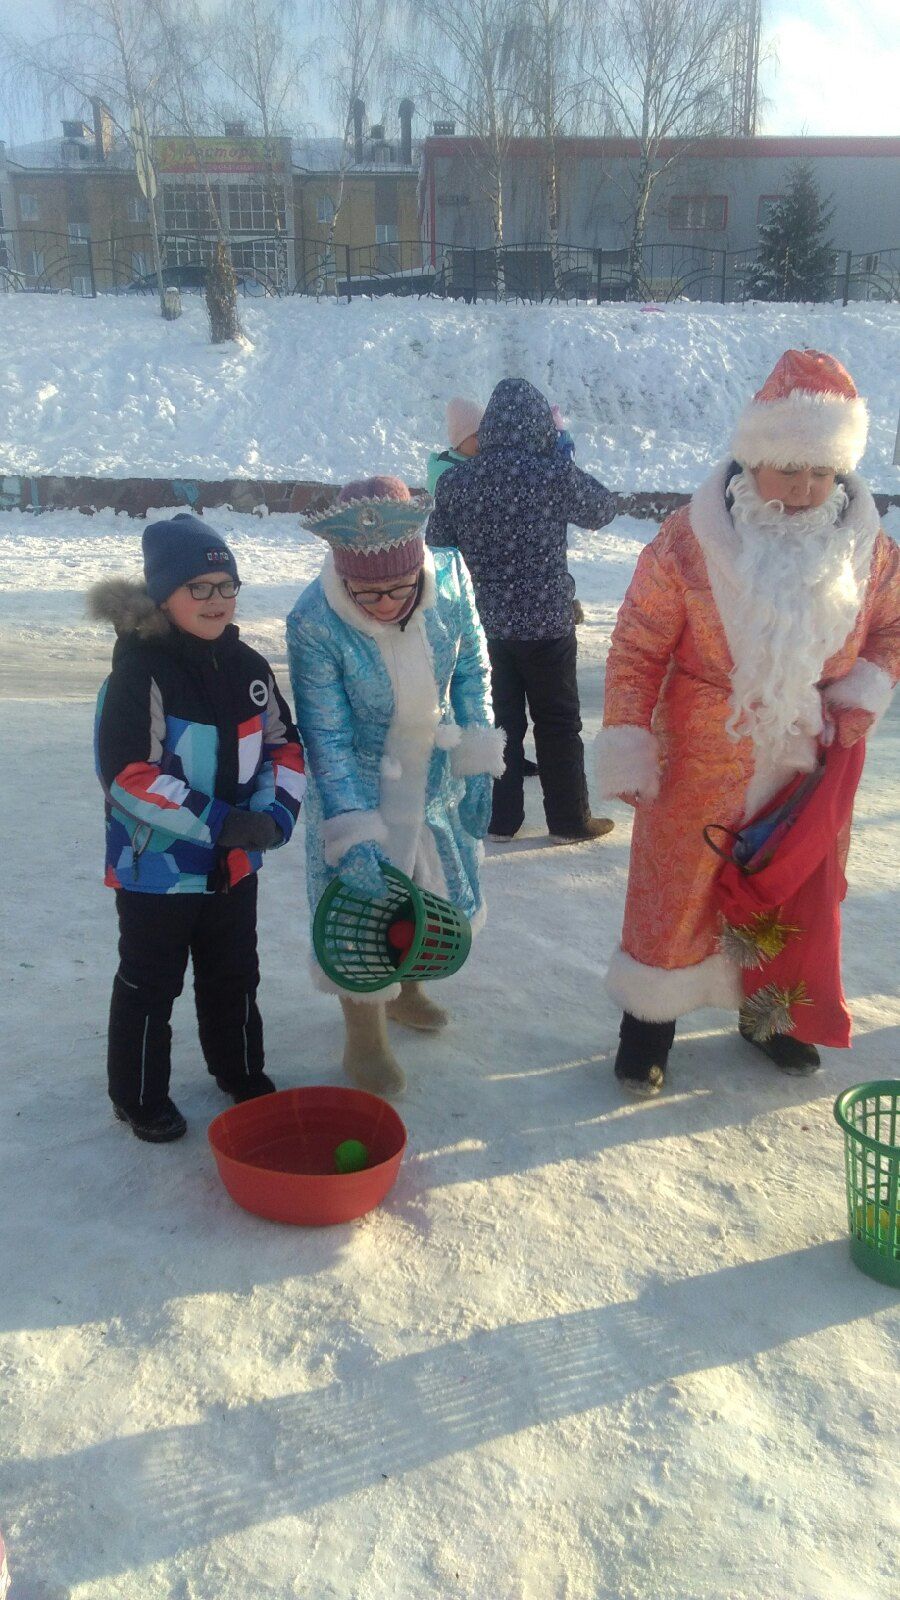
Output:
(754, 943)
(768, 1011)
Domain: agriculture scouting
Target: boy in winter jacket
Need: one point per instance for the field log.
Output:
(202, 771)
(507, 512)
(463, 419)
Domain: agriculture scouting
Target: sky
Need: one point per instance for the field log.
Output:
(832, 66)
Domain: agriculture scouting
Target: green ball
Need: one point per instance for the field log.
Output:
(351, 1156)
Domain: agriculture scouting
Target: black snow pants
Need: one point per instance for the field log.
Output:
(157, 933)
(539, 674)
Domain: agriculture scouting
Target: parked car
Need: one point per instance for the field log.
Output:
(191, 276)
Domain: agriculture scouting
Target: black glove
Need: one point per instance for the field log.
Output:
(249, 830)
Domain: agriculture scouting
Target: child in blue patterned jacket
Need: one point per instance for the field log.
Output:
(202, 771)
(391, 684)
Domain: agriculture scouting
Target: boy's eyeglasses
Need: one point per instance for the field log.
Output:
(371, 597)
(205, 591)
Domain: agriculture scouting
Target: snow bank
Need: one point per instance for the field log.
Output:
(329, 391)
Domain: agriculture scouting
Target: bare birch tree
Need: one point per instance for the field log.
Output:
(105, 51)
(254, 50)
(353, 44)
(662, 68)
(467, 61)
(555, 93)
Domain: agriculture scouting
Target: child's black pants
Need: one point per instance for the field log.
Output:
(541, 672)
(157, 933)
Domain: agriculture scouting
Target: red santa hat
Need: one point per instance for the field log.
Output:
(808, 413)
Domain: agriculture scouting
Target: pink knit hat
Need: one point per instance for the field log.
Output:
(808, 413)
(394, 558)
(463, 419)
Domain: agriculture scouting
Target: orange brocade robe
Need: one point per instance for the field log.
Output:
(668, 671)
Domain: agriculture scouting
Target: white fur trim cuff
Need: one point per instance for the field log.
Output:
(660, 994)
(447, 735)
(479, 750)
(341, 833)
(867, 687)
(627, 762)
(803, 430)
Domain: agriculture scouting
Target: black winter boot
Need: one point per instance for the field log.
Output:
(642, 1055)
(156, 1125)
(247, 1088)
(789, 1055)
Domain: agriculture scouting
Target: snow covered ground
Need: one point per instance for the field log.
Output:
(588, 1350)
(105, 387)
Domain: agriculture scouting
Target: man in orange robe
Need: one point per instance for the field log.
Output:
(762, 621)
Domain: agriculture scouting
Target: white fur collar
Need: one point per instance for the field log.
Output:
(340, 602)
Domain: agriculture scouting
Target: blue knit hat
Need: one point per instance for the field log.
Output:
(179, 549)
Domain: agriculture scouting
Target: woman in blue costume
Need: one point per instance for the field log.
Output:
(391, 684)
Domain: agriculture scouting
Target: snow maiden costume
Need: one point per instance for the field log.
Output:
(401, 744)
(749, 638)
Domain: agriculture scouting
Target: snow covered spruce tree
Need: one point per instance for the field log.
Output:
(796, 257)
(221, 295)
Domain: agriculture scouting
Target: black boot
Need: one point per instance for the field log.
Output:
(247, 1088)
(590, 828)
(789, 1055)
(642, 1055)
(156, 1124)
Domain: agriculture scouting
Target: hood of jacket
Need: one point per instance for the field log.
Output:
(518, 417)
(126, 604)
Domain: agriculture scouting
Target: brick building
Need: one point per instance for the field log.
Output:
(72, 216)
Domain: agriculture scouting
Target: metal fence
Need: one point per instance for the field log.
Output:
(36, 261)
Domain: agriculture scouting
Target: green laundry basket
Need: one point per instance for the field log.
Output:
(870, 1117)
(350, 935)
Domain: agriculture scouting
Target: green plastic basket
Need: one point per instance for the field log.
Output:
(870, 1117)
(350, 935)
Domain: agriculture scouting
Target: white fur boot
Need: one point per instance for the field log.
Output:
(414, 1009)
(368, 1058)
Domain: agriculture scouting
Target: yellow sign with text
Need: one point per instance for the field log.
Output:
(210, 155)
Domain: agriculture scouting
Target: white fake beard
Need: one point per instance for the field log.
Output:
(800, 600)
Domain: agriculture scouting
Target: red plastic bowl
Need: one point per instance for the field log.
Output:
(276, 1154)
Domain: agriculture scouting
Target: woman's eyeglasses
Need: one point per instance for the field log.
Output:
(205, 591)
(371, 597)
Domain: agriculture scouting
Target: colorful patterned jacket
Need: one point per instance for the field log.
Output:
(185, 730)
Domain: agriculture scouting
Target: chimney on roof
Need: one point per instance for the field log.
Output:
(359, 112)
(406, 115)
(103, 130)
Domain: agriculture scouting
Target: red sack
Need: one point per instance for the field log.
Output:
(783, 923)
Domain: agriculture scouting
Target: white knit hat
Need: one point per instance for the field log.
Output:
(463, 418)
(808, 413)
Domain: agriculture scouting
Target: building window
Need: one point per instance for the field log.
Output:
(81, 284)
(34, 264)
(698, 213)
(188, 252)
(256, 255)
(250, 209)
(138, 210)
(28, 207)
(325, 208)
(78, 232)
(766, 205)
(385, 233)
(138, 263)
(186, 209)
